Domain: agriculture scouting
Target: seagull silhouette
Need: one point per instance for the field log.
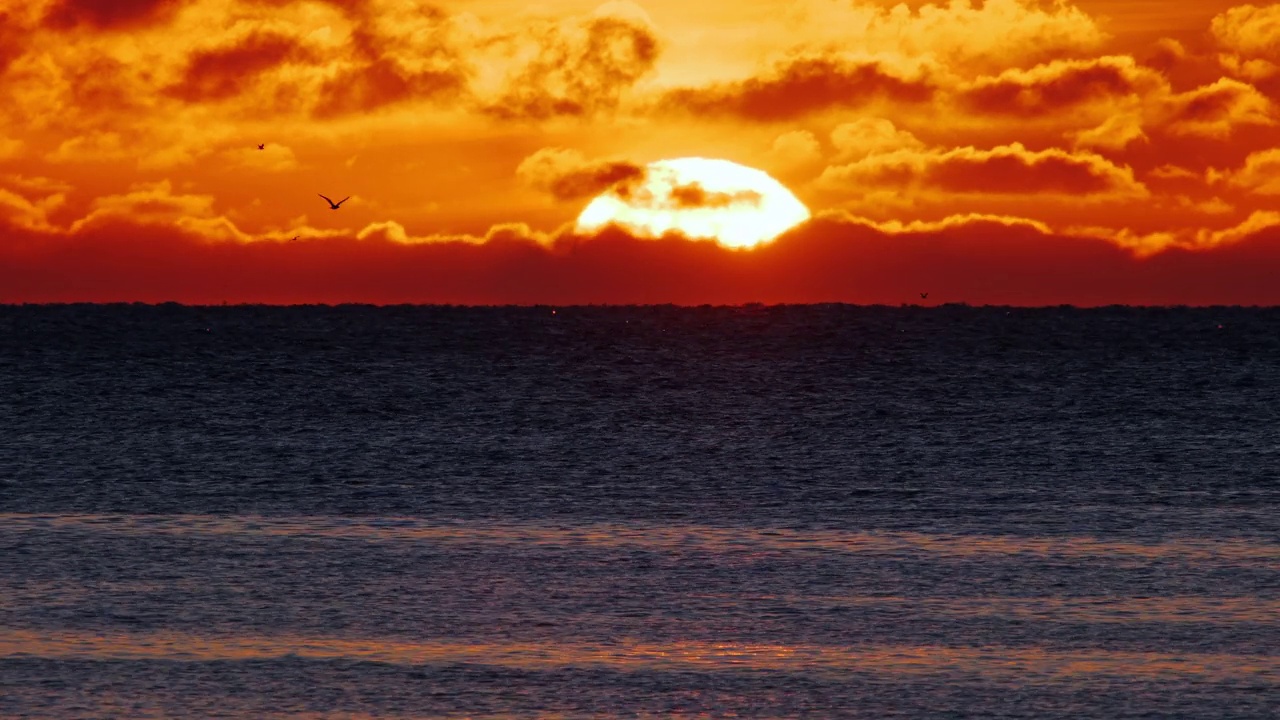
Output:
(924, 296)
(262, 146)
(335, 205)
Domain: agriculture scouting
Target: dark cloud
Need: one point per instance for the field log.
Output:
(13, 40)
(799, 87)
(591, 180)
(109, 14)
(224, 72)
(693, 195)
(379, 77)
(383, 82)
(1057, 86)
(567, 174)
(977, 261)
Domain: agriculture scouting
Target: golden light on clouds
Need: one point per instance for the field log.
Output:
(699, 198)
(496, 134)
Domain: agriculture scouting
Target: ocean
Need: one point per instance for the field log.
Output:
(822, 511)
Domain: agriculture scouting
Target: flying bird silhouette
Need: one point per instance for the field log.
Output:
(262, 146)
(924, 296)
(335, 205)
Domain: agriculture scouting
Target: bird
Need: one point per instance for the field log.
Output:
(924, 296)
(262, 146)
(295, 238)
(335, 205)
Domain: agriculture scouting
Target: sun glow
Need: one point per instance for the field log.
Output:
(700, 198)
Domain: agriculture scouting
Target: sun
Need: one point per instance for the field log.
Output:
(700, 198)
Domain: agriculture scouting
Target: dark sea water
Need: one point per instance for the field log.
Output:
(819, 511)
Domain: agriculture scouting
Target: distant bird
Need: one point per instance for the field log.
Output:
(295, 239)
(924, 296)
(262, 146)
(335, 205)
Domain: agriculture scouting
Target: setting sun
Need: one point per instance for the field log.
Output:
(698, 198)
(994, 151)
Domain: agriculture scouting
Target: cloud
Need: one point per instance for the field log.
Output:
(572, 69)
(795, 152)
(801, 86)
(568, 176)
(1166, 54)
(9, 148)
(973, 258)
(18, 211)
(962, 36)
(1216, 110)
(1249, 31)
(1170, 171)
(155, 204)
(1115, 133)
(15, 31)
(690, 195)
(94, 147)
(35, 183)
(1261, 223)
(222, 72)
(1004, 170)
(1213, 206)
(1102, 103)
(1059, 86)
(391, 63)
(112, 15)
(1249, 37)
(967, 220)
(869, 136)
(394, 232)
(1260, 173)
(255, 60)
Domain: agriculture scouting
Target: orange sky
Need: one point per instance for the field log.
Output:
(1006, 151)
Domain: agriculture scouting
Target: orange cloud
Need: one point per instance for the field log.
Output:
(575, 70)
(1260, 173)
(9, 147)
(868, 135)
(260, 59)
(1005, 170)
(795, 153)
(960, 35)
(1170, 171)
(801, 86)
(20, 212)
(1251, 37)
(34, 183)
(155, 204)
(94, 147)
(1216, 110)
(508, 233)
(1259, 224)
